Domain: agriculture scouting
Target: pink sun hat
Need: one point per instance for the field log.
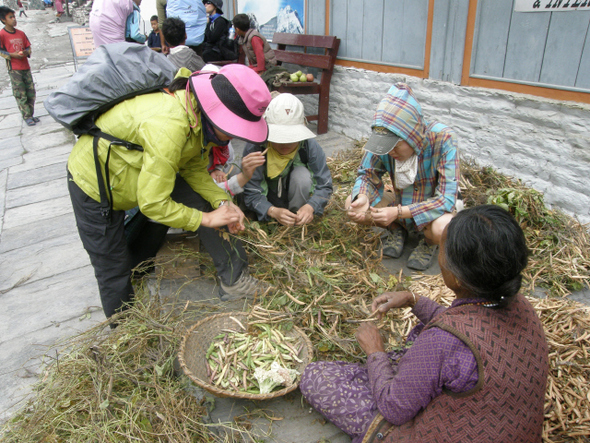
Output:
(234, 100)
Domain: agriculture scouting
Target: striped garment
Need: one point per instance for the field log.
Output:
(434, 191)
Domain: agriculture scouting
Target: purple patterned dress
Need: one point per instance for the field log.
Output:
(398, 384)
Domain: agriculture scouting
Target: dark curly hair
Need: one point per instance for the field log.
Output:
(174, 31)
(242, 22)
(486, 251)
(4, 11)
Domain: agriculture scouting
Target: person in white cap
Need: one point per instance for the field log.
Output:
(295, 183)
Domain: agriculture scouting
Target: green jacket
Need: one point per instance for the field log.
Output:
(160, 124)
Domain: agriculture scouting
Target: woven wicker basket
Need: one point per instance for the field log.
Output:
(196, 341)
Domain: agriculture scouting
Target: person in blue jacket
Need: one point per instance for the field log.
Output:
(194, 16)
(133, 31)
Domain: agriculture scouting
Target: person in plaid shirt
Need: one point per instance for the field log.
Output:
(422, 160)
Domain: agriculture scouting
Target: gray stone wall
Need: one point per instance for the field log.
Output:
(81, 13)
(546, 143)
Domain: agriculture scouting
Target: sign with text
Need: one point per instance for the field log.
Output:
(551, 5)
(82, 43)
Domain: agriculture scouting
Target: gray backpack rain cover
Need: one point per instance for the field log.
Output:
(112, 73)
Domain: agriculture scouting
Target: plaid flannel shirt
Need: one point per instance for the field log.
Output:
(434, 191)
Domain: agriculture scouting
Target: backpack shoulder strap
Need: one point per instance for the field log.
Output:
(95, 131)
(106, 202)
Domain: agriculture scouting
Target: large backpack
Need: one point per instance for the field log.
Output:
(112, 74)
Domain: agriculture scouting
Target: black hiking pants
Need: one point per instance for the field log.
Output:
(113, 257)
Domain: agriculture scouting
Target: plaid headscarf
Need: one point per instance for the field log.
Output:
(401, 114)
(435, 188)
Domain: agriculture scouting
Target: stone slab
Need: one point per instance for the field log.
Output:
(7, 133)
(23, 354)
(38, 159)
(49, 302)
(5, 91)
(13, 121)
(7, 101)
(11, 155)
(41, 192)
(180, 291)
(9, 144)
(295, 421)
(39, 175)
(37, 212)
(48, 134)
(58, 29)
(12, 161)
(20, 371)
(41, 260)
(3, 180)
(33, 233)
(331, 142)
(9, 111)
(582, 296)
(40, 113)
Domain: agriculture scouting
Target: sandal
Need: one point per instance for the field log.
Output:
(30, 121)
(36, 119)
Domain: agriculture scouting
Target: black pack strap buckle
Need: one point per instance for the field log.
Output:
(105, 204)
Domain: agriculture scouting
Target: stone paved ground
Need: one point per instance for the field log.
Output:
(46, 283)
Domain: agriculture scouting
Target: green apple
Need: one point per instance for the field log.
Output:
(294, 77)
(303, 78)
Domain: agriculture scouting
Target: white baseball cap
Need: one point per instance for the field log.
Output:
(286, 120)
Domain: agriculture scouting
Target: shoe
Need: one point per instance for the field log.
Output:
(36, 119)
(29, 121)
(393, 242)
(421, 258)
(246, 287)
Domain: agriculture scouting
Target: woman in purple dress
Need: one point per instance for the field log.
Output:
(475, 371)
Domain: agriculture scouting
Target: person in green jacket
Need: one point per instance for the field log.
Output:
(168, 180)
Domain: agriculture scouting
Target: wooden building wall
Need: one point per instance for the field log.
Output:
(467, 42)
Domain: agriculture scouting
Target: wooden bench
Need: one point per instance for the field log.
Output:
(325, 62)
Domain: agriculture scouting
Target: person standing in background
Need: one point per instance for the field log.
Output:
(133, 32)
(21, 9)
(59, 9)
(154, 40)
(108, 19)
(161, 11)
(15, 47)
